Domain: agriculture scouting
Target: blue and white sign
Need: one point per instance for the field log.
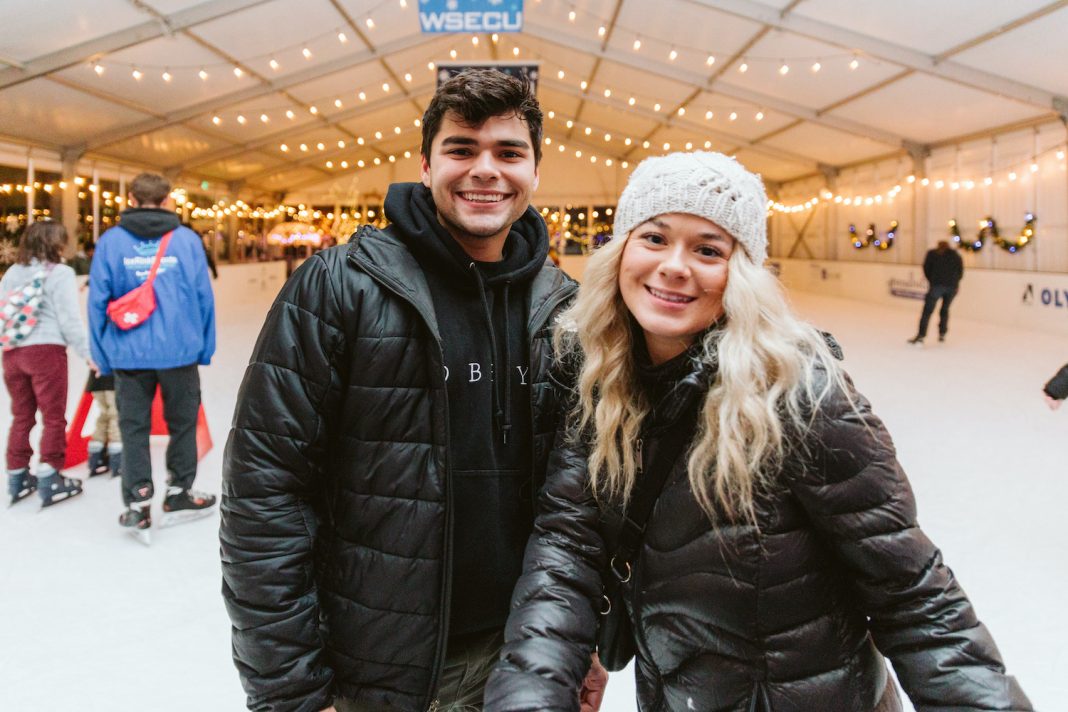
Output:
(471, 15)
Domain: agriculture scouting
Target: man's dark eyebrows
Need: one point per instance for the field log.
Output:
(513, 143)
(458, 141)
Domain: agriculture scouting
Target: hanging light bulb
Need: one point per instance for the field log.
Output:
(656, 107)
(341, 144)
(265, 118)
(136, 74)
(274, 64)
(362, 95)
(760, 116)
(682, 111)
(589, 130)
(854, 64)
(385, 87)
(743, 68)
(404, 4)
(607, 93)
(601, 31)
(816, 66)
(474, 40)
(627, 141)
(784, 69)
(631, 101)
(515, 51)
(241, 119)
(452, 53)
(370, 23)
(430, 66)
(637, 43)
(733, 116)
(571, 16)
(709, 115)
(216, 120)
(673, 55)
(408, 77)
(560, 74)
(203, 75)
(99, 69)
(284, 148)
(289, 114)
(342, 37)
(167, 76)
(584, 84)
(710, 61)
(238, 72)
(306, 52)
(313, 109)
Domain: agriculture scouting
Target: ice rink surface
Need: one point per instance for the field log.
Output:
(94, 621)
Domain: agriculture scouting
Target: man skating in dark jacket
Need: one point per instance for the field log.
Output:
(392, 430)
(943, 269)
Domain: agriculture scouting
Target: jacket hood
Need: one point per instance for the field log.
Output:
(149, 223)
(410, 207)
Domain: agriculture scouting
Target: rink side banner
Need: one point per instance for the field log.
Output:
(446, 70)
(1029, 300)
(437, 16)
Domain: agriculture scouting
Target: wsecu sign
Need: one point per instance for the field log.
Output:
(471, 15)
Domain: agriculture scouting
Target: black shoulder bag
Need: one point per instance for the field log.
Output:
(615, 635)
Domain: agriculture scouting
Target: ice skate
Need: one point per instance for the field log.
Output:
(183, 506)
(115, 463)
(916, 341)
(138, 520)
(137, 517)
(98, 462)
(20, 485)
(55, 488)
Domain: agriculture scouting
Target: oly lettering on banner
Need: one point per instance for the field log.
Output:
(470, 16)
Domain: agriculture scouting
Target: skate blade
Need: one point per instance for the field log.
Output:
(144, 536)
(170, 519)
(19, 497)
(59, 498)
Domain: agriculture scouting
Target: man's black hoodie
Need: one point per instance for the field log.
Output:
(481, 309)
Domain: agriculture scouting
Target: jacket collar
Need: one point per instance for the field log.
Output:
(383, 255)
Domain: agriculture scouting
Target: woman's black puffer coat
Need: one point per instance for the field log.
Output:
(335, 524)
(792, 615)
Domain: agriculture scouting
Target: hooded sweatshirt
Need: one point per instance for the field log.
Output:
(181, 330)
(481, 310)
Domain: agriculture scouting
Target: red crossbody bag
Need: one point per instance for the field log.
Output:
(133, 308)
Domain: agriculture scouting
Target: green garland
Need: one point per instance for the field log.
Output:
(988, 230)
(871, 237)
(1027, 233)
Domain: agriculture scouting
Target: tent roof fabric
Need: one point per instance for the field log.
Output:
(280, 96)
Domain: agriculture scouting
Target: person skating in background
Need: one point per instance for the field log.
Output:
(35, 364)
(392, 428)
(775, 558)
(105, 444)
(944, 270)
(1056, 390)
(165, 350)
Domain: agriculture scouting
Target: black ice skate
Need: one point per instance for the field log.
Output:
(138, 516)
(20, 485)
(184, 505)
(98, 463)
(916, 341)
(115, 463)
(55, 488)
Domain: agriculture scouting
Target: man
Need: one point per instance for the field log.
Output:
(163, 351)
(392, 431)
(943, 269)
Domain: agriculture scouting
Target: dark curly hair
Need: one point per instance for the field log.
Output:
(475, 95)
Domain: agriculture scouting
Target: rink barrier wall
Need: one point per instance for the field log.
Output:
(1028, 300)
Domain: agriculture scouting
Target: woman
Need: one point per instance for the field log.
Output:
(35, 370)
(782, 559)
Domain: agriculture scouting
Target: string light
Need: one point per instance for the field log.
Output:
(238, 72)
(474, 40)
(743, 68)
(571, 16)
(241, 119)
(136, 74)
(290, 115)
(816, 66)
(607, 93)
(362, 95)
(274, 64)
(784, 69)
(306, 52)
(515, 51)
(710, 61)
(854, 64)
(313, 109)
(733, 116)
(203, 75)
(216, 120)
(99, 69)
(709, 115)
(673, 55)
(265, 118)
(637, 43)
(167, 76)
(342, 37)
(601, 31)
(385, 87)
(337, 103)
(370, 23)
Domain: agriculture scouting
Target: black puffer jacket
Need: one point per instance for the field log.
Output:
(335, 517)
(791, 616)
(1057, 387)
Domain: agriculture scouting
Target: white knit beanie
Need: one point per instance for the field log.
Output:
(709, 185)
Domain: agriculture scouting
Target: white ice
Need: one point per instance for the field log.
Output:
(92, 620)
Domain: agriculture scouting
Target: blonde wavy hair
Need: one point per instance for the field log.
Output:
(765, 385)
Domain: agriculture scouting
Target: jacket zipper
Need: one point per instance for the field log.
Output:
(446, 580)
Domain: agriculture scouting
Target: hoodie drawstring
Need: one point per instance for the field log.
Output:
(501, 415)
